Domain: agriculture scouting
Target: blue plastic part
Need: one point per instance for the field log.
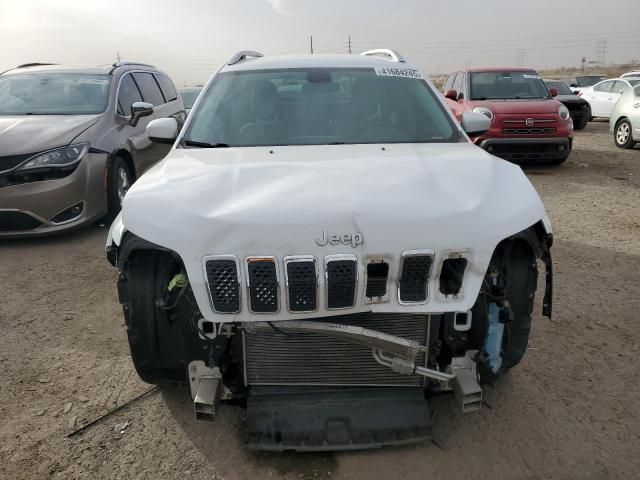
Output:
(493, 342)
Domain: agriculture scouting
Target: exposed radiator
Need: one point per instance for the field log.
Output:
(311, 359)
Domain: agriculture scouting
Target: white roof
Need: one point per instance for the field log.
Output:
(318, 61)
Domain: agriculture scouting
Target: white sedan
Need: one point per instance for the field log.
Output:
(602, 97)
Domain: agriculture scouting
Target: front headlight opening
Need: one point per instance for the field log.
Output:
(64, 157)
(563, 112)
(485, 111)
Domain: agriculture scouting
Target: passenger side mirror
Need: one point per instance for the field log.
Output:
(574, 85)
(139, 110)
(451, 94)
(475, 123)
(553, 91)
(163, 130)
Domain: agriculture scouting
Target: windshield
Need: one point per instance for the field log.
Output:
(589, 81)
(507, 86)
(189, 97)
(53, 94)
(563, 88)
(318, 107)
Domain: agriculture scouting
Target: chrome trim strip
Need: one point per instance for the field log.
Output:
(416, 253)
(238, 275)
(332, 258)
(299, 259)
(254, 258)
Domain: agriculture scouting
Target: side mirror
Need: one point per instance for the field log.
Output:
(553, 91)
(574, 85)
(451, 95)
(163, 130)
(474, 123)
(139, 110)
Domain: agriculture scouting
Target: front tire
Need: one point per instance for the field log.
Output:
(583, 121)
(155, 339)
(622, 135)
(119, 180)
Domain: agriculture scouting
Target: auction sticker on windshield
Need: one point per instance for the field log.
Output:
(399, 72)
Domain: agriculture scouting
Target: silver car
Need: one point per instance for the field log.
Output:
(72, 141)
(625, 119)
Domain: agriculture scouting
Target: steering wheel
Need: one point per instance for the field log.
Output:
(252, 131)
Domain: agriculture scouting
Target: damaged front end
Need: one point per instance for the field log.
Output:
(346, 380)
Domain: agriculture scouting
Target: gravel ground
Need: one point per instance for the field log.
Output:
(570, 410)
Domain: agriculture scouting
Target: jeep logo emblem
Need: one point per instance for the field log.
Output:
(353, 239)
(529, 122)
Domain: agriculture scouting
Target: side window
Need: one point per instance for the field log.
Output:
(619, 87)
(128, 94)
(604, 87)
(149, 88)
(167, 87)
(457, 83)
(449, 83)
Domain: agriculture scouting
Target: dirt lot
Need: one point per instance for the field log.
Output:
(570, 410)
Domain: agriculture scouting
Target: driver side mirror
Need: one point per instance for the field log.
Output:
(451, 95)
(553, 91)
(139, 110)
(475, 123)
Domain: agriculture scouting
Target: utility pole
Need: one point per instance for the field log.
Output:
(311, 38)
(349, 43)
(118, 56)
(520, 57)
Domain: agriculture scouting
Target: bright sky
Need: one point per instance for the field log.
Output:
(189, 38)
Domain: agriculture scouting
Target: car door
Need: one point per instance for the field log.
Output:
(598, 98)
(617, 89)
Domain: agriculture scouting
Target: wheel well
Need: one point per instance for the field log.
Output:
(127, 158)
(619, 120)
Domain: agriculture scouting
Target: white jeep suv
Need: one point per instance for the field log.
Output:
(324, 245)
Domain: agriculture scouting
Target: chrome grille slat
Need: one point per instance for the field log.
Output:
(314, 359)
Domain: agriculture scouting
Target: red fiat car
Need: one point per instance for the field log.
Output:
(527, 123)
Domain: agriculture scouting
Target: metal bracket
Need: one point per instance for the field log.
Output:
(206, 389)
(465, 385)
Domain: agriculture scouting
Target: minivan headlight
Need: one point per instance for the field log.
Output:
(485, 111)
(59, 158)
(563, 112)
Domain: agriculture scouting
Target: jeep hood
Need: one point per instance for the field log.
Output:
(23, 134)
(525, 107)
(277, 201)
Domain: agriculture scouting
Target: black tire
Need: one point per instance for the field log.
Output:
(119, 179)
(155, 341)
(623, 134)
(583, 121)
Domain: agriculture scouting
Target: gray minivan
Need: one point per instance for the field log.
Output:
(72, 141)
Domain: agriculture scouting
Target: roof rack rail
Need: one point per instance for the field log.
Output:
(386, 53)
(243, 55)
(34, 64)
(122, 64)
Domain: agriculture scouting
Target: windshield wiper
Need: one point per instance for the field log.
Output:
(195, 143)
(336, 143)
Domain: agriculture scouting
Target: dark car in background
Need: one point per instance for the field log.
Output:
(579, 108)
(579, 82)
(73, 140)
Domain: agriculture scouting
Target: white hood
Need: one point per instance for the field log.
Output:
(277, 201)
